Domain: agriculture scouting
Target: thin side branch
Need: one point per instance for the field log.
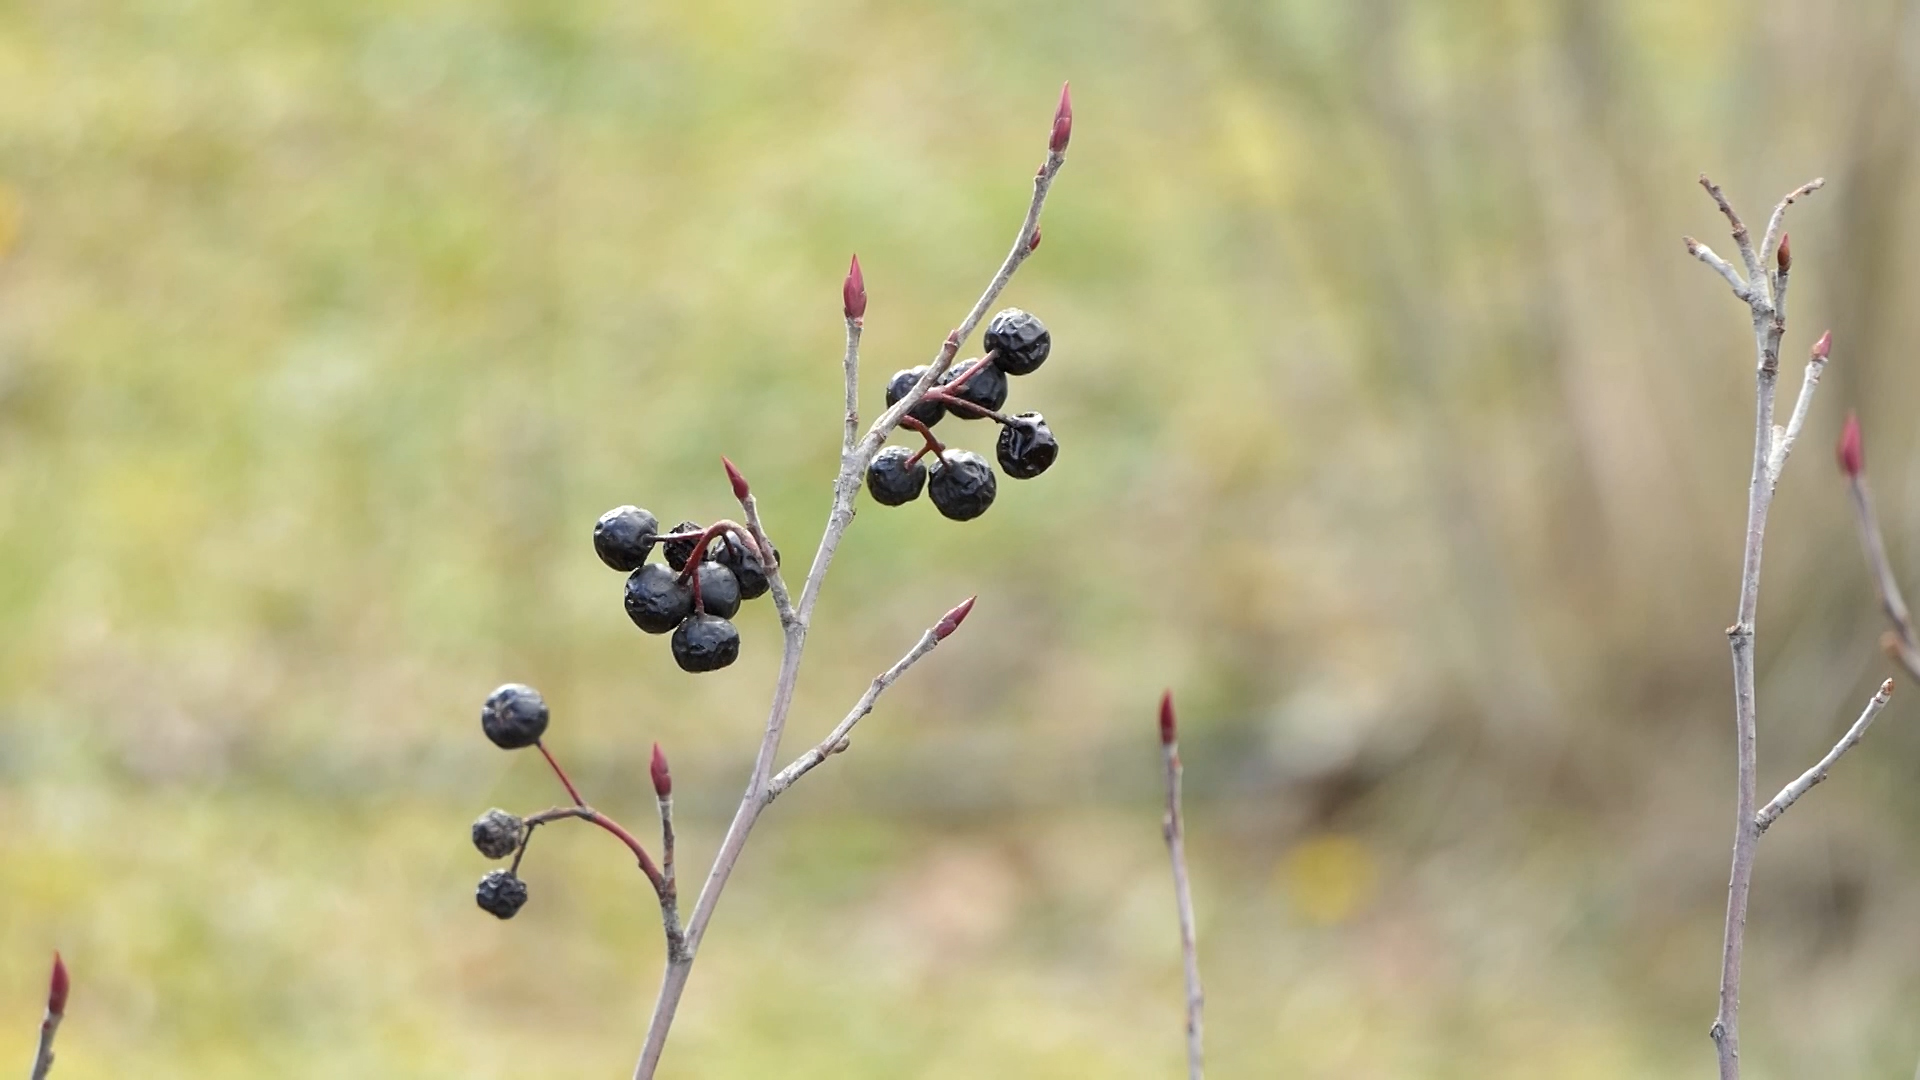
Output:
(1173, 828)
(1899, 641)
(1792, 792)
(1770, 242)
(1816, 366)
(57, 988)
(1740, 238)
(1720, 266)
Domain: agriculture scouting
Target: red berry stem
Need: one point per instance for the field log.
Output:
(952, 402)
(572, 792)
(933, 444)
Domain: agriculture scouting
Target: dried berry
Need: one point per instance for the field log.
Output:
(501, 894)
(497, 834)
(705, 643)
(893, 482)
(986, 388)
(1019, 341)
(961, 485)
(1027, 446)
(679, 551)
(657, 599)
(927, 412)
(623, 537)
(719, 589)
(514, 716)
(744, 560)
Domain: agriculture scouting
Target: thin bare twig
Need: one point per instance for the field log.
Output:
(1779, 218)
(1792, 792)
(57, 986)
(1173, 828)
(1748, 257)
(1899, 642)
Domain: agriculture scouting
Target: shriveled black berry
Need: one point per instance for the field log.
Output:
(1019, 341)
(1027, 446)
(744, 560)
(927, 412)
(657, 599)
(514, 716)
(962, 485)
(623, 537)
(891, 481)
(679, 551)
(719, 589)
(497, 834)
(705, 643)
(986, 388)
(501, 894)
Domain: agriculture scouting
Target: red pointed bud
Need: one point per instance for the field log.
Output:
(740, 488)
(1784, 257)
(1062, 121)
(57, 987)
(662, 779)
(1852, 457)
(1033, 243)
(951, 620)
(1822, 347)
(853, 293)
(1168, 727)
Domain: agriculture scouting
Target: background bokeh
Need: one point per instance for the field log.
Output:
(1401, 439)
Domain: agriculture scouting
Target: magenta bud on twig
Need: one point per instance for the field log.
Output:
(1822, 347)
(951, 620)
(1852, 457)
(1168, 727)
(853, 292)
(662, 779)
(57, 987)
(1062, 121)
(740, 488)
(1033, 244)
(1784, 257)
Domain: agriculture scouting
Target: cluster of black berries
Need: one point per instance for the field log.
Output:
(961, 483)
(513, 718)
(708, 574)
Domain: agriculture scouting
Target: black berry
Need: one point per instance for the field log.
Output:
(986, 388)
(1027, 446)
(623, 537)
(514, 716)
(679, 551)
(719, 589)
(1019, 341)
(962, 485)
(501, 894)
(893, 482)
(705, 643)
(497, 834)
(657, 599)
(741, 558)
(927, 412)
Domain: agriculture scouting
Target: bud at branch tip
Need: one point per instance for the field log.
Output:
(57, 987)
(1824, 346)
(1167, 725)
(740, 488)
(853, 293)
(1062, 121)
(951, 620)
(662, 779)
(1852, 457)
(1784, 256)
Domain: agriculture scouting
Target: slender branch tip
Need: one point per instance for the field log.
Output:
(951, 620)
(740, 488)
(1169, 727)
(57, 986)
(853, 292)
(1850, 453)
(1822, 347)
(1062, 120)
(662, 777)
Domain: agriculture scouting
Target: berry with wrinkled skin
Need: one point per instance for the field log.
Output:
(514, 716)
(741, 558)
(927, 412)
(719, 589)
(962, 485)
(657, 599)
(891, 481)
(1019, 341)
(986, 388)
(496, 834)
(1027, 446)
(501, 894)
(679, 551)
(623, 537)
(705, 643)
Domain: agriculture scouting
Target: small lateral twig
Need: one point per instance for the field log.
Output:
(1899, 641)
(669, 890)
(1173, 828)
(1792, 792)
(57, 987)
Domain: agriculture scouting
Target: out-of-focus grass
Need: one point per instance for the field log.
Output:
(1400, 437)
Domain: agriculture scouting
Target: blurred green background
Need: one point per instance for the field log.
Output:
(1401, 439)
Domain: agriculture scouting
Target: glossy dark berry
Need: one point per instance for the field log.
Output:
(705, 643)
(657, 599)
(962, 485)
(623, 537)
(736, 555)
(986, 388)
(1027, 446)
(679, 551)
(927, 412)
(719, 589)
(1019, 341)
(501, 894)
(496, 834)
(891, 481)
(514, 716)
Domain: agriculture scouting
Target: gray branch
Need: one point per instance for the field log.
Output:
(1173, 828)
(1792, 792)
